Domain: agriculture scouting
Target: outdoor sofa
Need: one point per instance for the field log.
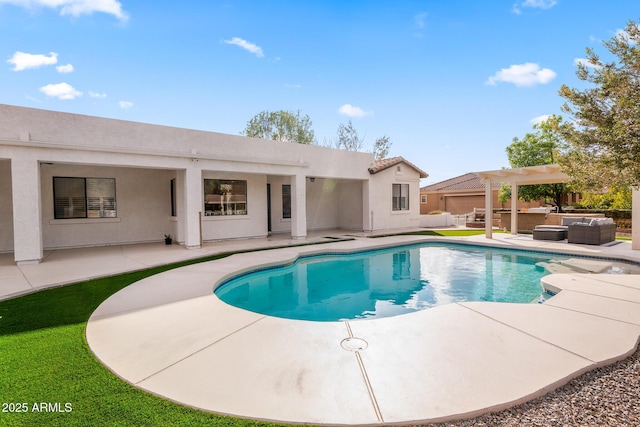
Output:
(595, 231)
(550, 232)
(590, 231)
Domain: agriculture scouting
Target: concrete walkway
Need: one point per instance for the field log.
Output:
(170, 335)
(65, 266)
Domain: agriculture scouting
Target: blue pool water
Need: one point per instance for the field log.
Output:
(388, 282)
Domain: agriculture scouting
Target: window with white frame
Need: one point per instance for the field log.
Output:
(423, 198)
(225, 197)
(84, 197)
(400, 197)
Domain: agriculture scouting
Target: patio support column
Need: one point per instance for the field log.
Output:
(298, 206)
(27, 211)
(514, 208)
(488, 208)
(193, 196)
(367, 213)
(635, 218)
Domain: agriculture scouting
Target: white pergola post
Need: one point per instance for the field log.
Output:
(488, 209)
(544, 174)
(635, 219)
(514, 208)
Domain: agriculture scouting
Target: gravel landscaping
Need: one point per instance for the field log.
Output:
(606, 396)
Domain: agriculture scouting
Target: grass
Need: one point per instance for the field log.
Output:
(450, 233)
(45, 358)
(447, 233)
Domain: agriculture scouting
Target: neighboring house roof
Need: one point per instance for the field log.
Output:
(468, 181)
(383, 164)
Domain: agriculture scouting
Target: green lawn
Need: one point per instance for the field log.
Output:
(44, 358)
(449, 233)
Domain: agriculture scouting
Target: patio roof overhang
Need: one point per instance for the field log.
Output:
(543, 174)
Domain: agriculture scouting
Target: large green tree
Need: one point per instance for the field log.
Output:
(604, 133)
(280, 126)
(537, 148)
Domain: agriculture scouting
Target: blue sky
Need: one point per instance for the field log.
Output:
(450, 82)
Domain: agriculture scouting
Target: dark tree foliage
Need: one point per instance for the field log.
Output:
(604, 134)
(535, 149)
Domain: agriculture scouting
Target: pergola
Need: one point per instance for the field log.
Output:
(545, 174)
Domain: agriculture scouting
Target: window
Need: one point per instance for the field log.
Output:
(225, 197)
(174, 209)
(423, 198)
(401, 265)
(84, 197)
(286, 201)
(400, 197)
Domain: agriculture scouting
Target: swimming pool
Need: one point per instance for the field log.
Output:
(389, 282)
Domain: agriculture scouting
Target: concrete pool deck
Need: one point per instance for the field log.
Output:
(168, 334)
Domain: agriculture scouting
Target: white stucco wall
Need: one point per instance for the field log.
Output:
(330, 204)
(6, 207)
(384, 217)
(322, 204)
(350, 205)
(91, 137)
(143, 201)
(635, 218)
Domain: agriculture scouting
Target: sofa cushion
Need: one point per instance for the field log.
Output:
(601, 221)
(567, 220)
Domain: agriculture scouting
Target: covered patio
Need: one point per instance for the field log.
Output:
(544, 174)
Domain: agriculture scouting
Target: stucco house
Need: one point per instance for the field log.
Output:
(69, 180)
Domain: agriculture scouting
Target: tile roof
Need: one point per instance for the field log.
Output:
(383, 164)
(468, 181)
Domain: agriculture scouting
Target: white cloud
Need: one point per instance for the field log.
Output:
(248, 46)
(539, 119)
(624, 35)
(97, 95)
(419, 19)
(65, 68)
(419, 24)
(527, 74)
(533, 4)
(583, 61)
(353, 111)
(539, 4)
(125, 105)
(60, 91)
(75, 7)
(22, 61)
(293, 86)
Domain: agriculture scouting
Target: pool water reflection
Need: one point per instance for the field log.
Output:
(388, 282)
